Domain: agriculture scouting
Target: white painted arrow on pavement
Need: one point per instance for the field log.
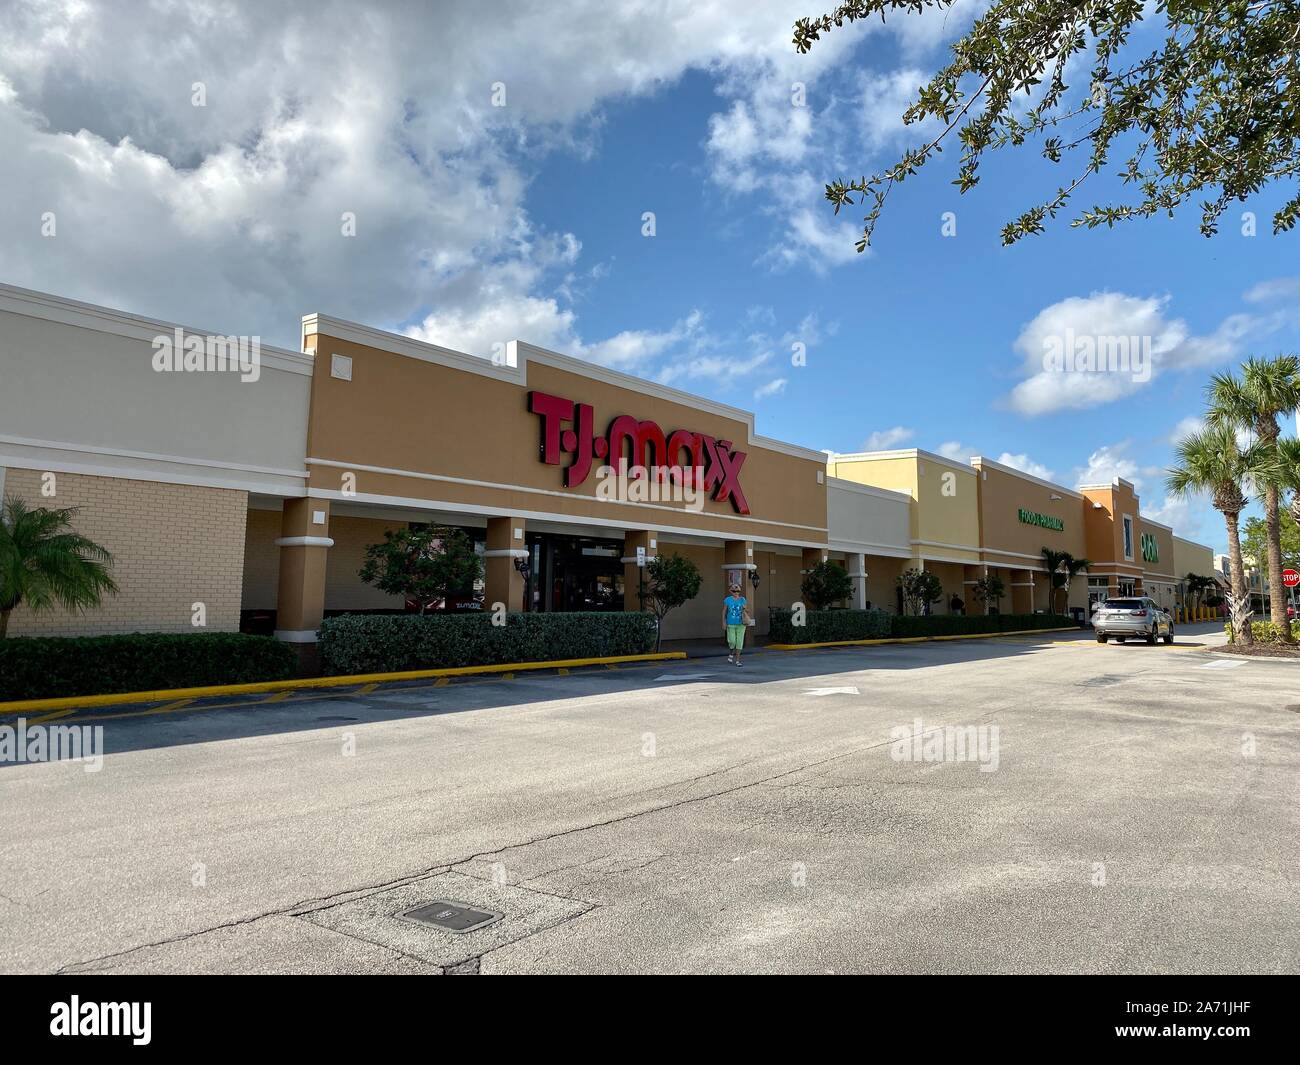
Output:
(682, 676)
(831, 691)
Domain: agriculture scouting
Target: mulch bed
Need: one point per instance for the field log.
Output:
(1262, 650)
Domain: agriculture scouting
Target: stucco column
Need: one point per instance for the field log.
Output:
(304, 544)
(632, 573)
(1022, 592)
(738, 561)
(504, 583)
(812, 556)
(858, 574)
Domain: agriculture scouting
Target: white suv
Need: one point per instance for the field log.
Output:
(1132, 616)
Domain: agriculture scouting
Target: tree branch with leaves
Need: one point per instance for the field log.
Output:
(1213, 113)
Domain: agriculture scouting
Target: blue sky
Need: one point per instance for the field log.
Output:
(914, 341)
(499, 193)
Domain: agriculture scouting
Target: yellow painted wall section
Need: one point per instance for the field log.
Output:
(1190, 557)
(946, 507)
(947, 510)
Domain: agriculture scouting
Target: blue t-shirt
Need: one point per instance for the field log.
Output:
(735, 610)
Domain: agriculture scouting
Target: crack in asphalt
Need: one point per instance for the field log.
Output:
(303, 909)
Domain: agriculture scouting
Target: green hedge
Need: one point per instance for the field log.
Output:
(1265, 631)
(39, 667)
(371, 643)
(827, 626)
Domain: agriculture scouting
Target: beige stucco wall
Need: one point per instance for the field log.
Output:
(261, 560)
(343, 588)
(701, 617)
(1005, 538)
(173, 546)
(882, 581)
(468, 442)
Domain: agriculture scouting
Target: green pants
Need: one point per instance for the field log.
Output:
(735, 637)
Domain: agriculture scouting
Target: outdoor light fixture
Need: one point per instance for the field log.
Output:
(521, 564)
(754, 578)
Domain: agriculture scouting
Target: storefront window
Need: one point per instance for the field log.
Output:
(574, 573)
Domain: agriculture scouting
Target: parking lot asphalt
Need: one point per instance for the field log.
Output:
(1027, 804)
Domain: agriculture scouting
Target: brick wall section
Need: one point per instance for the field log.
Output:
(173, 545)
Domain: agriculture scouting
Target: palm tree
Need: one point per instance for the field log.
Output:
(44, 563)
(1052, 561)
(1063, 567)
(1197, 585)
(1267, 389)
(1288, 474)
(1213, 461)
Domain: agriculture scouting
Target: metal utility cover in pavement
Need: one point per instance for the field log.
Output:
(451, 916)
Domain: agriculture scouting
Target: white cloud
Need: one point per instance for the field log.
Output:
(1147, 340)
(955, 450)
(773, 388)
(924, 31)
(887, 439)
(1107, 463)
(1193, 423)
(229, 215)
(1279, 288)
(883, 97)
(1025, 464)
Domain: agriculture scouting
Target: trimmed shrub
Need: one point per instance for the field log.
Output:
(827, 626)
(41, 667)
(378, 643)
(1265, 631)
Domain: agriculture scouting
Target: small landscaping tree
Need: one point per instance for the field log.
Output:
(426, 565)
(989, 590)
(44, 564)
(671, 581)
(920, 588)
(1073, 567)
(824, 584)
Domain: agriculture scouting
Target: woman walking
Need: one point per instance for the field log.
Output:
(735, 616)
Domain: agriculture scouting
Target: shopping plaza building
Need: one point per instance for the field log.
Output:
(238, 485)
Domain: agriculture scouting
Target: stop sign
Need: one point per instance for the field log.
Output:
(1290, 577)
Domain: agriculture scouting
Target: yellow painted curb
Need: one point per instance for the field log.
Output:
(79, 701)
(917, 639)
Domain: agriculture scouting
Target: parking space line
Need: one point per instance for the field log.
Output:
(49, 717)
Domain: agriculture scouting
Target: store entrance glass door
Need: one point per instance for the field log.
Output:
(574, 573)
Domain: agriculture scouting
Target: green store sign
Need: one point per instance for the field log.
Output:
(1150, 548)
(1045, 521)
